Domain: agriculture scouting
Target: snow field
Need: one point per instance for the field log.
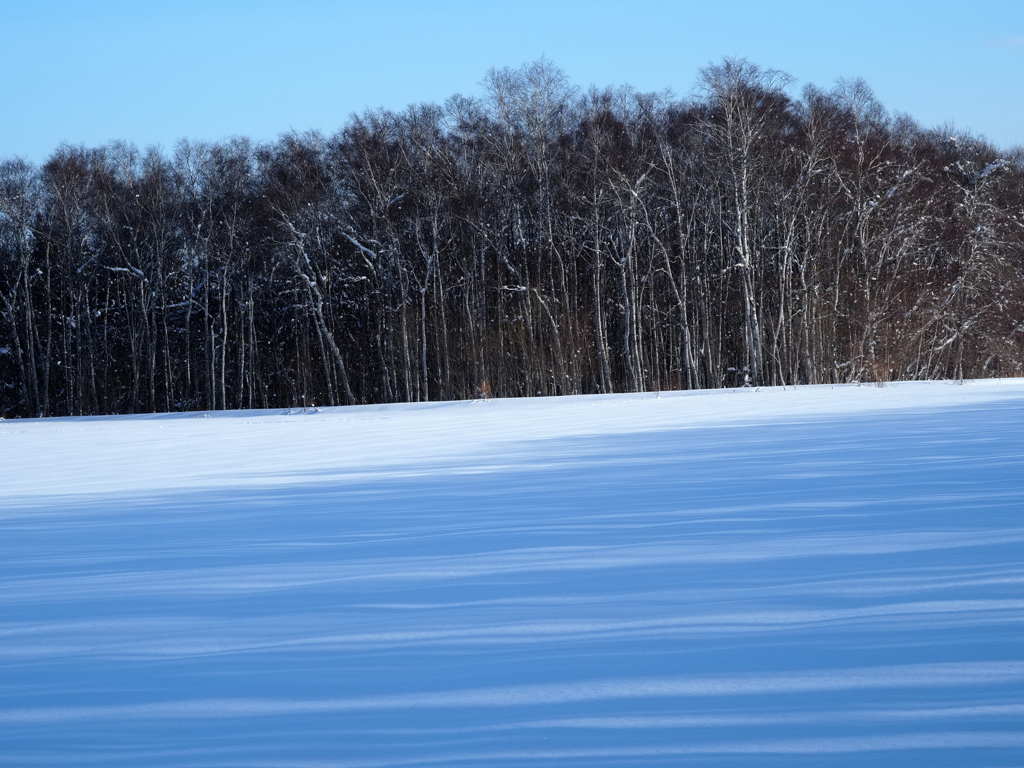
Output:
(811, 576)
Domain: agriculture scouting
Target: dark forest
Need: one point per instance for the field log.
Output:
(538, 240)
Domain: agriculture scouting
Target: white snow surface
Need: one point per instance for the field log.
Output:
(819, 576)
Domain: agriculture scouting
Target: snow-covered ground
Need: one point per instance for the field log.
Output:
(809, 577)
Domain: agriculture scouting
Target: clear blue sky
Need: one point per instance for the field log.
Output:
(153, 72)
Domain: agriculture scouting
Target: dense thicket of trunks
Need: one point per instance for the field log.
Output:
(541, 239)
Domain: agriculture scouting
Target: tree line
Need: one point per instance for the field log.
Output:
(538, 240)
